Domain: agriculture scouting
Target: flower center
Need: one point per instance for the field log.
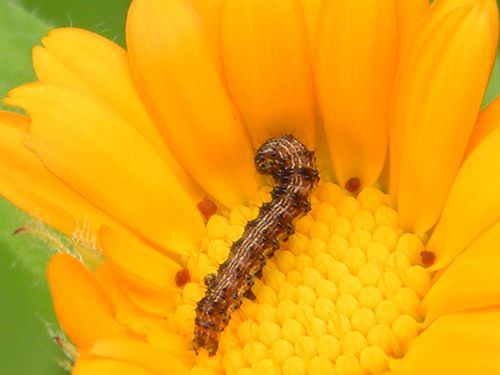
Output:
(341, 294)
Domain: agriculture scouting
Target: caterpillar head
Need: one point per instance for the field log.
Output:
(275, 154)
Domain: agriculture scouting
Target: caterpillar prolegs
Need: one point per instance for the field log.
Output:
(293, 169)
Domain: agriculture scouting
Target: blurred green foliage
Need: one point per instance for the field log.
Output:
(103, 17)
(26, 345)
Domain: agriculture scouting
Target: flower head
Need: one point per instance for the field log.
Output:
(151, 150)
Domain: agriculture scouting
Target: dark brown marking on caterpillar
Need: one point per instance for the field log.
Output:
(293, 168)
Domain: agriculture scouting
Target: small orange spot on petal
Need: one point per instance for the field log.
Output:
(182, 277)
(428, 258)
(353, 185)
(207, 208)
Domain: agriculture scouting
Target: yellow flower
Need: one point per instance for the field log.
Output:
(394, 270)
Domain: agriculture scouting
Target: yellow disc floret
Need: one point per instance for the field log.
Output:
(341, 294)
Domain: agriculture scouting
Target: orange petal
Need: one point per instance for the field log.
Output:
(87, 364)
(440, 8)
(433, 17)
(472, 280)
(409, 15)
(152, 358)
(80, 305)
(159, 302)
(265, 57)
(176, 70)
(33, 188)
(473, 203)
(438, 91)
(465, 344)
(312, 15)
(101, 68)
(109, 163)
(355, 67)
(135, 258)
(488, 121)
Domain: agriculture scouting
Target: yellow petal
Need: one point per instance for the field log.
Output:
(80, 304)
(86, 365)
(438, 91)
(355, 68)
(157, 328)
(126, 312)
(473, 203)
(101, 68)
(488, 121)
(147, 356)
(110, 164)
(470, 282)
(210, 13)
(409, 15)
(265, 58)
(33, 188)
(465, 344)
(137, 259)
(177, 73)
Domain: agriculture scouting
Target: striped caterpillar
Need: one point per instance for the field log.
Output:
(293, 169)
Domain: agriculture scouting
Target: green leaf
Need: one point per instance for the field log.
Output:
(103, 17)
(26, 345)
(31, 253)
(494, 86)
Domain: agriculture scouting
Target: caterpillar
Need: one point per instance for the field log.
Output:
(293, 169)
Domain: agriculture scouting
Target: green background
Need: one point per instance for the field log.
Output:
(25, 346)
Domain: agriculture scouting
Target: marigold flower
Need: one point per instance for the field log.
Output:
(394, 270)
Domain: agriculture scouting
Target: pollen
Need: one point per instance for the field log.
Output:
(341, 296)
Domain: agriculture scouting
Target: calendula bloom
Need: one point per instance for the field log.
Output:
(150, 150)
